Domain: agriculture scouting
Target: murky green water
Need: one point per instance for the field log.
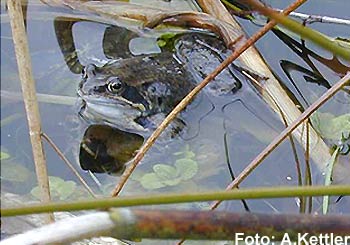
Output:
(222, 135)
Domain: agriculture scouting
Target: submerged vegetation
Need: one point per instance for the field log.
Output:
(177, 142)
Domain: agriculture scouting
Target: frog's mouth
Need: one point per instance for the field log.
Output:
(113, 110)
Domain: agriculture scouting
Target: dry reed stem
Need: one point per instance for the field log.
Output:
(30, 100)
(67, 162)
(325, 97)
(185, 101)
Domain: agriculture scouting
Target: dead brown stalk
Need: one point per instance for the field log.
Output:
(30, 99)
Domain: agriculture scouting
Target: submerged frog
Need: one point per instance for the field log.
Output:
(135, 94)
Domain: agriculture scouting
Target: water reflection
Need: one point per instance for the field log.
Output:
(104, 149)
(311, 73)
(115, 42)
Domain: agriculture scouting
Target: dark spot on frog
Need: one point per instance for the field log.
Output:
(151, 58)
(160, 100)
(158, 89)
(99, 89)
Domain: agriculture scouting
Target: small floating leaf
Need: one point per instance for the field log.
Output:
(66, 189)
(161, 43)
(187, 168)
(12, 171)
(165, 172)
(168, 35)
(172, 182)
(189, 154)
(59, 188)
(4, 155)
(186, 153)
(151, 181)
(167, 41)
(330, 126)
(167, 175)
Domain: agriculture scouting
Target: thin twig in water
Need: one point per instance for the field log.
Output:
(30, 100)
(150, 141)
(325, 97)
(66, 161)
(311, 18)
(308, 177)
(303, 201)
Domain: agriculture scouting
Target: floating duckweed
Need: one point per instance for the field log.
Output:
(59, 188)
(171, 175)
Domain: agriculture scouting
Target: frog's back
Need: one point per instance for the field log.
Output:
(202, 54)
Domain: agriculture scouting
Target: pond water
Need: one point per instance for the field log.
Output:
(222, 134)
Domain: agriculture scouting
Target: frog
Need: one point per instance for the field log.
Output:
(135, 94)
(131, 94)
(127, 93)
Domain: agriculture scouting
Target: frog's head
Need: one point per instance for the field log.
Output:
(107, 97)
(133, 94)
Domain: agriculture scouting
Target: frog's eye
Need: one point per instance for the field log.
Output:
(114, 85)
(89, 71)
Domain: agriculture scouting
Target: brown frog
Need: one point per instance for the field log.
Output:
(135, 94)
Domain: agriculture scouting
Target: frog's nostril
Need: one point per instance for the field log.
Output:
(99, 89)
(89, 71)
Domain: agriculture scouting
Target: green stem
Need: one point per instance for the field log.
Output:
(237, 194)
(235, 8)
(328, 178)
